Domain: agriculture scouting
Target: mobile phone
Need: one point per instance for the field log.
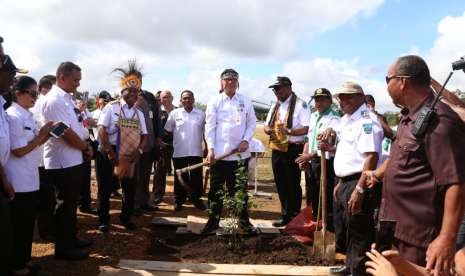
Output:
(58, 129)
(385, 234)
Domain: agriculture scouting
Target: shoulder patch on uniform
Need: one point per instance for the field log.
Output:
(304, 104)
(365, 114)
(368, 128)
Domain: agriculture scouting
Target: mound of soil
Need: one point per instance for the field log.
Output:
(261, 249)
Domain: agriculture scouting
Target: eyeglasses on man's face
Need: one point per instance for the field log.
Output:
(389, 78)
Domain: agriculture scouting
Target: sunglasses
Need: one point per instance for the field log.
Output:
(32, 93)
(389, 78)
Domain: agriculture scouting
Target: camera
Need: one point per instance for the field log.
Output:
(459, 64)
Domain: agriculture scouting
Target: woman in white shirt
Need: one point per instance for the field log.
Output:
(22, 171)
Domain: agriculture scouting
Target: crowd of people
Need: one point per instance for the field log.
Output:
(48, 139)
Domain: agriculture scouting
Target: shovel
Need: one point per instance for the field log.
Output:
(324, 242)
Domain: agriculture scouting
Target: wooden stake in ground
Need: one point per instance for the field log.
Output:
(324, 242)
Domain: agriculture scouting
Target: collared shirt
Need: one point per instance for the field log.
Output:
(59, 106)
(300, 118)
(418, 172)
(229, 121)
(319, 122)
(22, 172)
(358, 133)
(145, 108)
(39, 118)
(4, 134)
(187, 129)
(110, 117)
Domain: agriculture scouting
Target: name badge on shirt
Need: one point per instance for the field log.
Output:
(150, 114)
(179, 121)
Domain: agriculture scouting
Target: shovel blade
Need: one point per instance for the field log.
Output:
(324, 246)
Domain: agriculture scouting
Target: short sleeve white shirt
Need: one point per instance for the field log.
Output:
(4, 134)
(59, 106)
(187, 129)
(358, 134)
(110, 117)
(300, 118)
(229, 121)
(22, 172)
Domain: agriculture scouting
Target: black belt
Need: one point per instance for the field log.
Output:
(355, 176)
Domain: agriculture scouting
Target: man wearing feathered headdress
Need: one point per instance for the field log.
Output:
(122, 136)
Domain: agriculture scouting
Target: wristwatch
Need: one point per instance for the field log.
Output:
(359, 189)
(140, 150)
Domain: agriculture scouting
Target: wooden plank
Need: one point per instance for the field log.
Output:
(231, 269)
(169, 221)
(196, 224)
(109, 271)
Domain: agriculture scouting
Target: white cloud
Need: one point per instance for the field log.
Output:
(448, 47)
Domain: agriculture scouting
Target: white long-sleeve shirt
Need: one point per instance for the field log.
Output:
(229, 121)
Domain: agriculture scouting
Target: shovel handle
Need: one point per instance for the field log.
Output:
(204, 163)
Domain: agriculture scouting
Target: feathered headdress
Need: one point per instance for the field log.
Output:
(130, 77)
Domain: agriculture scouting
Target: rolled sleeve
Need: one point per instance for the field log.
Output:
(210, 124)
(105, 117)
(143, 126)
(169, 125)
(18, 139)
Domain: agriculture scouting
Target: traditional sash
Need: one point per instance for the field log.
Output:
(127, 142)
(279, 140)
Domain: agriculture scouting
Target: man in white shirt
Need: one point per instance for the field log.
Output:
(119, 151)
(324, 117)
(7, 75)
(287, 124)
(359, 136)
(46, 208)
(187, 124)
(63, 158)
(230, 125)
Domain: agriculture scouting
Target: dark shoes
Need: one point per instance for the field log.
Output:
(72, 254)
(83, 243)
(210, 227)
(103, 227)
(128, 225)
(177, 206)
(199, 205)
(341, 270)
(148, 208)
(157, 200)
(282, 222)
(249, 229)
(87, 210)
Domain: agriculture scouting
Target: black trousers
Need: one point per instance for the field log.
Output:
(286, 174)
(46, 207)
(85, 198)
(67, 183)
(360, 228)
(143, 171)
(23, 215)
(6, 234)
(105, 180)
(312, 188)
(192, 178)
(221, 172)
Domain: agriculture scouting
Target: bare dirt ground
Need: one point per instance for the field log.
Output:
(141, 243)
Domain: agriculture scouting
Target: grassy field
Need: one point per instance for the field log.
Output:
(264, 171)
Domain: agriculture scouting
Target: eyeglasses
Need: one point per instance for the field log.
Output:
(276, 88)
(32, 93)
(389, 78)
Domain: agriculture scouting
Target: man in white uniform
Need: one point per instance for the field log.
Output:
(187, 125)
(230, 125)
